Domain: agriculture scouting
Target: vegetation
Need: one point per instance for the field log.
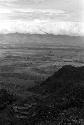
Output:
(57, 105)
(35, 90)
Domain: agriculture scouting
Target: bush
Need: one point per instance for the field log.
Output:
(6, 98)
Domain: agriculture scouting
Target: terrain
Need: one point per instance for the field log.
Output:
(60, 101)
(28, 59)
(41, 79)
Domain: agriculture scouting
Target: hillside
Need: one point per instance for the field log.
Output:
(63, 92)
(59, 100)
(65, 77)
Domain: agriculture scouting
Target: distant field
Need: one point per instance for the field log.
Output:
(26, 60)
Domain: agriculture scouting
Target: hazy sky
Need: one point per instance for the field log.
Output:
(38, 15)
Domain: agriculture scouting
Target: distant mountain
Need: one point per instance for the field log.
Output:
(40, 40)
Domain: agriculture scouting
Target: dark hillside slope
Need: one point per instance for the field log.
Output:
(66, 77)
(63, 93)
(59, 100)
(65, 88)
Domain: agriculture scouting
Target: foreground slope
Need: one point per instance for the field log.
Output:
(65, 77)
(59, 100)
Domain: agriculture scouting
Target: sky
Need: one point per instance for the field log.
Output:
(41, 16)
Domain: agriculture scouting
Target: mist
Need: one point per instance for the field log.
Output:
(42, 27)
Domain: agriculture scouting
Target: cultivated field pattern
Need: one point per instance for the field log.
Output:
(26, 60)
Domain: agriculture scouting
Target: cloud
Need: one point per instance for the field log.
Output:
(32, 14)
(42, 14)
(72, 7)
(5, 10)
(42, 26)
(49, 11)
(22, 1)
(27, 16)
(7, 0)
